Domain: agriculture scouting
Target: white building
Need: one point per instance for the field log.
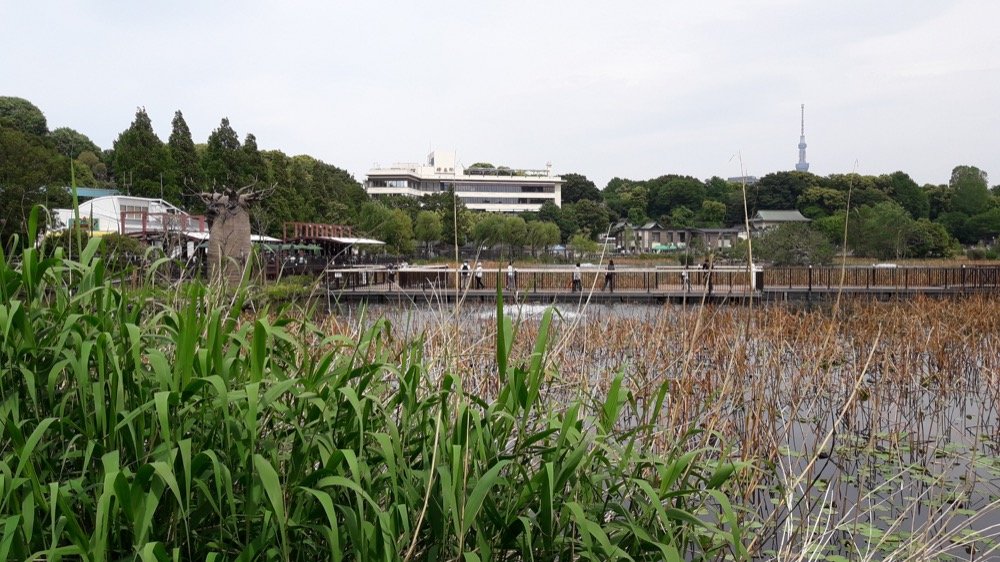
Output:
(124, 214)
(484, 189)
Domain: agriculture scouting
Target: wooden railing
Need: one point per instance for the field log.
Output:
(723, 280)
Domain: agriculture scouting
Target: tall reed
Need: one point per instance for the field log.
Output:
(184, 430)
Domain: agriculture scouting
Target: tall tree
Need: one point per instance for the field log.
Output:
(427, 229)
(254, 168)
(141, 162)
(182, 152)
(970, 191)
(542, 234)
(908, 194)
(592, 217)
(880, 231)
(222, 162)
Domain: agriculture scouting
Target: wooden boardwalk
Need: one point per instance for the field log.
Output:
(660, 284)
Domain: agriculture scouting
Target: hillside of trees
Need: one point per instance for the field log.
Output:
(890, 216)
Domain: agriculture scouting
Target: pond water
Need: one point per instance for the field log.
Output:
(876, 428)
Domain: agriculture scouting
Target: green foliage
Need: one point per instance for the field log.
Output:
(832, 227)
(119, 254)
(886, 231)
(930, 240)
(908, 194)
(794, 244)
(590, 217)
(542, 234)
(488, 229)
(583, 244)
(779, 190)
(23, 116)
(427, 228)
(970, 191)
(393, 226)
(192, 432)
(668, 193)
(31, 173)
(681, 217)
(307, 190)
(880, 231)
(578, 188)
(456, 219)
(71, 143)
(141, 162)
(712, 214)
(223, 161)
(183, 154)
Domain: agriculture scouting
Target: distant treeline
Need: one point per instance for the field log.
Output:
(891, 215)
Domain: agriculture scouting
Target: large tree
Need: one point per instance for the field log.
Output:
(141, 162)
(667, 193)
(880, 231)
(183, 153)
(71, 143)
(578, 187)
(794, 244)
(780, 190)
(22, 115)
(31, 173)
(427, 229)
(908, 194)
(970, 191)
(222, 162)
(542, 234)
(590, 216)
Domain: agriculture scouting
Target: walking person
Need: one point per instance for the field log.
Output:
(479, 276)
(577, 286)
(511, 285)
(465, 274)
(609, 277)
(686, 279)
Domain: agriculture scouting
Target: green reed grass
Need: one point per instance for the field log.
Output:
(134, 428)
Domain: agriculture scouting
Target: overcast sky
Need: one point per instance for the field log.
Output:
(628, 89)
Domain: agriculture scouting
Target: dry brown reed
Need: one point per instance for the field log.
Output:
(771, 382)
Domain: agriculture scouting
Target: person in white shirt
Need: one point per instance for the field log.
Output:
(510, 276)
(479, 276)
(576, 278)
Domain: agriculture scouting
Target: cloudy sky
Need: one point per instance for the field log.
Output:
(628, 89)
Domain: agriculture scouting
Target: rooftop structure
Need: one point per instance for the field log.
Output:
(802, 166)
(88, 193)
(770, 218)
(748, 180)
(480, 188)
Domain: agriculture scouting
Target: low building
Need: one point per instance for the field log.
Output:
(705, 238)
(500, 189)
(139, 216)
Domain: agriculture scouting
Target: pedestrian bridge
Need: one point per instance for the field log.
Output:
(659, 284)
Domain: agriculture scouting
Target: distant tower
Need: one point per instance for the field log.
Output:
(802, 166)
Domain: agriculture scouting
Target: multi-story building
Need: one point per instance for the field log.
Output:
(500, 189)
